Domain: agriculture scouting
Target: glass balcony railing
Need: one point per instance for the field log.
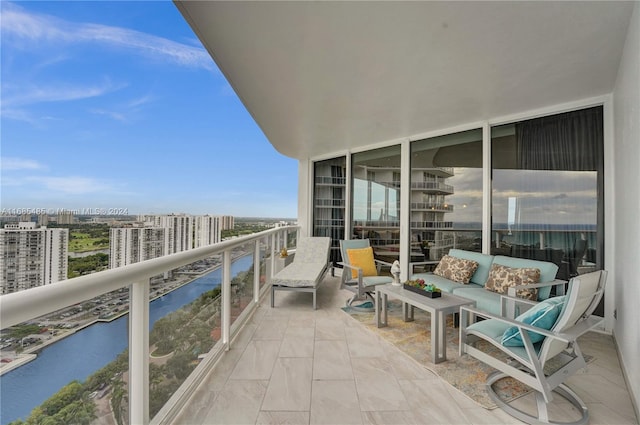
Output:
(431, 206)
(433, 186)
(331, 181)
(163, 321)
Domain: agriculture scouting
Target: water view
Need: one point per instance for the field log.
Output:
(81, 354)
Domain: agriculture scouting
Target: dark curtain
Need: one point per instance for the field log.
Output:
(572, 141)
(569, 142)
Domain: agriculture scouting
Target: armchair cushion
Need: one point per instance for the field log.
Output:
(457, 269)
(502, 277)
(362, 258)
(543, 315)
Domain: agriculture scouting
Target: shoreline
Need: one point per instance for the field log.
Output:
(31, 353)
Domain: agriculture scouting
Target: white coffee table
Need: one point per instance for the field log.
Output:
(438, 308)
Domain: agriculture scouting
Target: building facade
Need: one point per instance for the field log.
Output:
(65, 217)
(128, 245)
(227, 222)
(31, 256)
(207, 230)
(157, 235)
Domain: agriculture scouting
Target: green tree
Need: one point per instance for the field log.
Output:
(118, 396)
(80, 412)
(67, 394)
(179, 365)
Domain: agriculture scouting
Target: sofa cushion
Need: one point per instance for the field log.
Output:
(457, 269)
(501, 278)
(362, 258)
(485, 300)
(547, 270)
(484, 264)
(543, 315)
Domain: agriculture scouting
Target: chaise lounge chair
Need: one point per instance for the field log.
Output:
(304, 274)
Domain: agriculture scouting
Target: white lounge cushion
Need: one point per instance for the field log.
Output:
(299, 275)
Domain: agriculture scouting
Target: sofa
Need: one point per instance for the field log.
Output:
(490, 300)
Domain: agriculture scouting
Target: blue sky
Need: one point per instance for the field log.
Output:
(117, 105)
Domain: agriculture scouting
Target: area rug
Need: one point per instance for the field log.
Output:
(463, 372)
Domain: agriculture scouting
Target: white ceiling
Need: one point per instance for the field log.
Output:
(321, 77)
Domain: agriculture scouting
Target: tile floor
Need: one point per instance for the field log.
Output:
(294, 365)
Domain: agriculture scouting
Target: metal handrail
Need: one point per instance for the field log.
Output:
(29, 304)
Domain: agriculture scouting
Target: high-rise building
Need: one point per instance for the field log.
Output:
(43, 219)
(157, 235)
(179, 234)
(130, 245)
(227, 222)
(65, 217)
(207, 230)
(31, 256)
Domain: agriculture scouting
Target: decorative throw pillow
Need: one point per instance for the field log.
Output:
(457, 269)
(362, 258)
(543, 315)
(501, 278)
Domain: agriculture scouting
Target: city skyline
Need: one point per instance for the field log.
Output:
(103, 108)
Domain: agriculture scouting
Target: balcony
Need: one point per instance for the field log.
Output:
(432, 187)
(331, 181)
(431, 225)
(329, 203)
(220, 317)
(431, 206)
(291, 363)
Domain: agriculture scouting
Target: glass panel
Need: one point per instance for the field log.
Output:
(446, 195)
(329, 194)
(376, 200)
(265, 253)
(181, 336)
(242, 280)
(547, 190)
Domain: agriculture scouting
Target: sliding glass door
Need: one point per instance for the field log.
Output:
(547, 190)
(329, 202)
(376, 200)
(446, 195)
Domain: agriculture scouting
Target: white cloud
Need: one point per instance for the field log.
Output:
(11, 163)
(25, 26)
(73, 185)
(57, 93)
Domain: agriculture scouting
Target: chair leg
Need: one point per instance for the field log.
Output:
(542, 412)
(367, 297)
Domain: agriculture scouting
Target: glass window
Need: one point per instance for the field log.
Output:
(547, 200)
(376, 200)
(329, 202)
(446, 195)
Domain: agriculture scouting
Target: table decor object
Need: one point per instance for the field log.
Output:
(420, 287)
(395, 272)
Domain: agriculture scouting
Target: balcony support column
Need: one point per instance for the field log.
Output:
(139, 353)
(226, 298)
(256, 271)
(273, 237)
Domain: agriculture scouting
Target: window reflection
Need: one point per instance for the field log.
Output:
(446, 195)
(546, 200)
(376, 200)
(329, 202)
